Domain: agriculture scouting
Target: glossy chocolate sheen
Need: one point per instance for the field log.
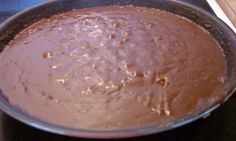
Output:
(112, 68)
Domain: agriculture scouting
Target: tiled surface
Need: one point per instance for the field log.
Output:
(232, 4)
(220, 126)
(229, 7)
(224, 10)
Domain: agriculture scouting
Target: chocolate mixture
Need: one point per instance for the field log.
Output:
(111, 68)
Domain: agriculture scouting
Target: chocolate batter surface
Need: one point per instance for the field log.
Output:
(111, 68)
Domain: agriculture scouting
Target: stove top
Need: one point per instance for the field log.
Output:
(219, 126)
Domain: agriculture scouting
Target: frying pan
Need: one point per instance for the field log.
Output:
(217, 29)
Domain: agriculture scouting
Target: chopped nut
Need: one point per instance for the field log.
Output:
(162, 81)
(111, 36)
(115, 24)
(48, 55)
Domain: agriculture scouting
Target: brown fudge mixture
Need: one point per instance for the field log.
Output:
(111, 68)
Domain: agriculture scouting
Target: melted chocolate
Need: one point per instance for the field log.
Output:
(111, 68)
